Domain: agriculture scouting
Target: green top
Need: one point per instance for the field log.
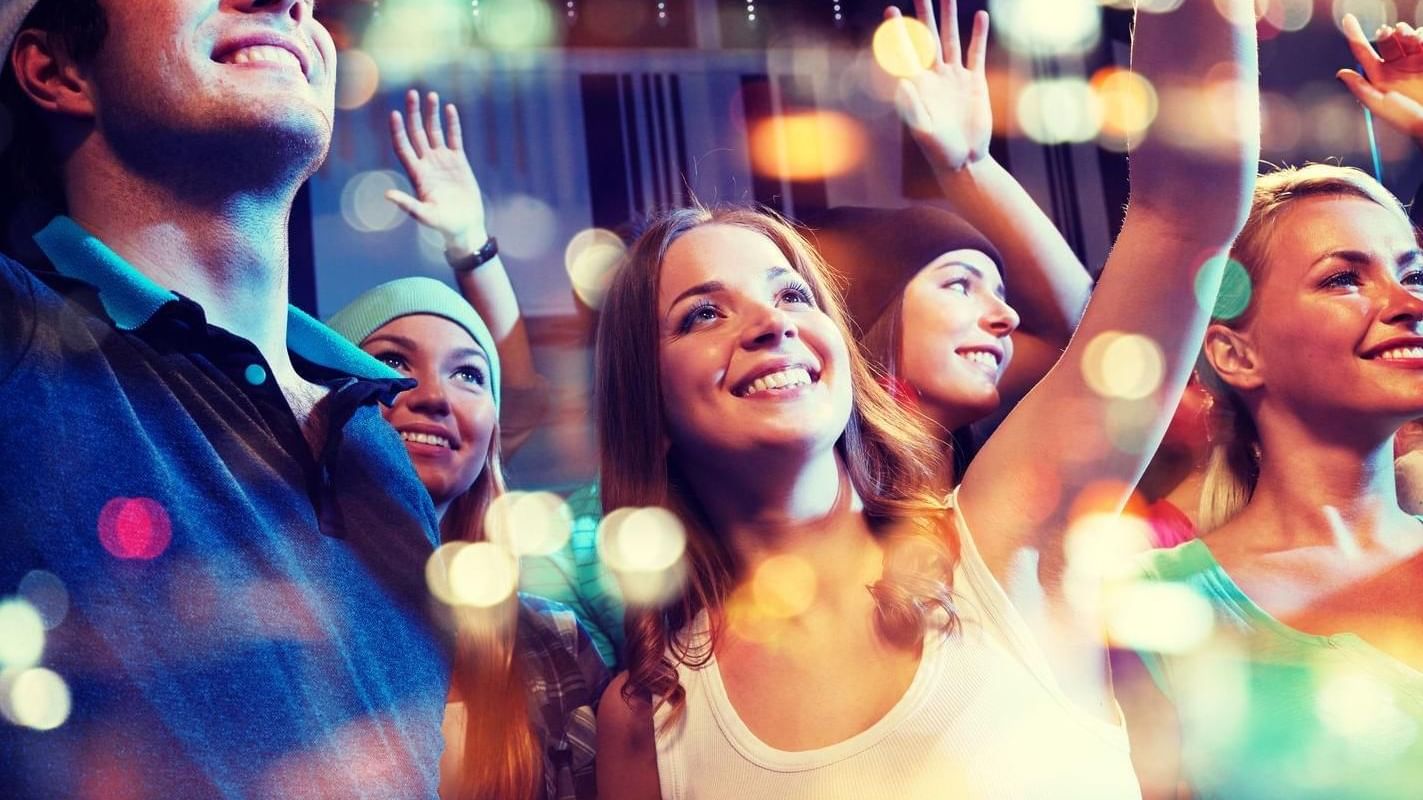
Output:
(577, 577)
(1270, 711)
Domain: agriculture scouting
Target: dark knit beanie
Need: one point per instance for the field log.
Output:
(877, 251)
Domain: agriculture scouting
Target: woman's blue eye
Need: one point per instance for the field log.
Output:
(959, 285)
(473, 375)
(1341, 280)
(393, 360)
(798, 294)
(701, 313)
(1414, 278)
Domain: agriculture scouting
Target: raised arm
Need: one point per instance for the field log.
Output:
(946, 108)
(447, 200)
(1191, 180)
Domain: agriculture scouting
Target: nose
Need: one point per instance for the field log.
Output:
(767, 329)
(299, 10)
(428, 397)
(1000, 319)
(1402, 304)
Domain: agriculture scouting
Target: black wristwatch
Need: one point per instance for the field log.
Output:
(478, 258)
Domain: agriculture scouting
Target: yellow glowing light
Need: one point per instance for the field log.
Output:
(515, 24)
(1158, 617)
(904, 46)
(1058, 110)
(46, 592)
(643, 547)
(483, 574)
(531, 225)
(783, 586)
(1047, 27)
(1106, 545)
(1129, 422)
(1128, 103)
(529, 523)
(807, 145)
(437, 571)
(1359, 708)
(1123, 365)
(363, 203)
(592, 258)
(1371, 13)
(357, 78)
(21, 633)
(409, 37)
(36, 698)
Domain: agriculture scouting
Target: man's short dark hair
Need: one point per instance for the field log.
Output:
(29, 166)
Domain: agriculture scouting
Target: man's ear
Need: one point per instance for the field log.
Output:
(1233, 357)
(49, 76)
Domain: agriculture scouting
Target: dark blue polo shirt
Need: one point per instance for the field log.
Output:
(232, 614)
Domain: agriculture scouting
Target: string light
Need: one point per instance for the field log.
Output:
(570, 11)
(839, 17)
(750, 11)
(661, 12)
(474, 7)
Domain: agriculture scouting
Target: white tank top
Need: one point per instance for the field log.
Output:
(982, 718)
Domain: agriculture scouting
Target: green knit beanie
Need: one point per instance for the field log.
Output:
(401, 298)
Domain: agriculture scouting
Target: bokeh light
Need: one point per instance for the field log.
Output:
(1154, 6)
(1371, 13)
(1106, 545)
(437, 571)
(135, 528)
(364, 205)
(529, 225)
(1364, 711)
(1286, 15)
(35, 698)
(643, 547)
(904, 46)
(46, 592)
(529, 523)
(1057, 110)
(784, 586)
(357, 79)
(516, 24)
(1128, 423)
(1123, 365)
(1158, 617)
(1128, 105)
(807, 145)
(1281, 125)
(592, 258)
(21, 634)
(483, 575)
(409, 37)
(1047, 27)
(1233, 296)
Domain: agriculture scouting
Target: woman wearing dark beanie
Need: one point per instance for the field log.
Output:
(926, 287)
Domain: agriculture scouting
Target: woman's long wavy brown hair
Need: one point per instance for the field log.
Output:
(500, 757)
(891, 459)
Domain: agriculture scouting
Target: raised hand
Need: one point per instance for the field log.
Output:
(946, 106)
(1392, 83)
(447, 195)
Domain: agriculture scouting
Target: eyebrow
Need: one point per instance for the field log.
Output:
(409, 344)
(1000, 289)
(1360, 258)
(712, 287)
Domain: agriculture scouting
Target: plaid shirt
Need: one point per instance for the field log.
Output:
(566, 677)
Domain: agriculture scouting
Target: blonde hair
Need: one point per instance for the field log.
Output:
(1235, 444)
(889, 455)
(500, 756)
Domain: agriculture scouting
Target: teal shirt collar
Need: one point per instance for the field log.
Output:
(131, 299)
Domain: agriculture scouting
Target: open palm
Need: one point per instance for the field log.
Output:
(946, 105)
(446, 197)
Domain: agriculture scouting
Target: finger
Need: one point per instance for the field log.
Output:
(401, 141)
(977, 56)
(413, 128)
(1389, 46)
(1362, 90)
(949, 29)
(1394, 108)
(408, 204)
(1410, 44)
(1364, 52)
(906, 44)
(1403, 28)
(924, 12)
(432, 120)
(454, 133)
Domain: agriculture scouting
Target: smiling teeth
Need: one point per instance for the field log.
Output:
(1400, 353)
(425, 438)
(785, 379)
(982, 358)
(264, 53)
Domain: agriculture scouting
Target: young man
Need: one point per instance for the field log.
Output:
(199, 469)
